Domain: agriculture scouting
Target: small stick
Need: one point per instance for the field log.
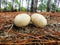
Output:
(1, 26)
(9, 29)
(52, 36)
(20, 34)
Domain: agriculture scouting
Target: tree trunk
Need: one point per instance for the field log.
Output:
(27, 5)
(48, 5)
(22, 3)
(0, 5)
(5, 8)
(55, 1)
(34, 5)
(19, 4)
(12, 8)
(58, 2)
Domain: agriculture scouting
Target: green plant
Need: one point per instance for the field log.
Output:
(58, 10)
(53, 7)
(4, 2)
(23, 9)
(1, 9)
(42, 7)
(9, 7)
(16, 1)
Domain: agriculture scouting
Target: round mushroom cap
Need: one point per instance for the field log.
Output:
(22, 20)
(38, 20)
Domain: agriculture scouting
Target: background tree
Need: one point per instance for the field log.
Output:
(4, 3)
(58, 2)
(48, 5)
(42, 7)
(0, 5)
(41, 1)
(12, 8)
(22, 2)
(27, 4)
(34, 5)
(53, 7)
(19, 5)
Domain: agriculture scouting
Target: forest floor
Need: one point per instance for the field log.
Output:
(10, 34)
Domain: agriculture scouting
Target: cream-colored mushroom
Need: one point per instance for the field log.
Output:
(38, 20)
(22, 20)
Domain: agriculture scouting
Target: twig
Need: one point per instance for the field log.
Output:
(9, 29)
(20, 34)
(1, 27)
(52, 36)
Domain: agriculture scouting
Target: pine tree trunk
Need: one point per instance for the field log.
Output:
(12, 9)
(19, 4)
(5, 8)
(22, 3)
(0, 5)
(28, 4)
(34, 5)
(48, 5)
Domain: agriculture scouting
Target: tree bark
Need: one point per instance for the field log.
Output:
(5, 8)
(19, 5)
(27, 4)
(12, 8)
(48, 5)
(34, 5)
(58, 2)
(22, 3)
(0, 5)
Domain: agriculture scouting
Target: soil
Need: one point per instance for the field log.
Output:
(11, 34)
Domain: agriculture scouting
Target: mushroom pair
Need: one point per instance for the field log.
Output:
(24, 19)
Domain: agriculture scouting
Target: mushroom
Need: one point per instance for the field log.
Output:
(22, 20)
(38, 20)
